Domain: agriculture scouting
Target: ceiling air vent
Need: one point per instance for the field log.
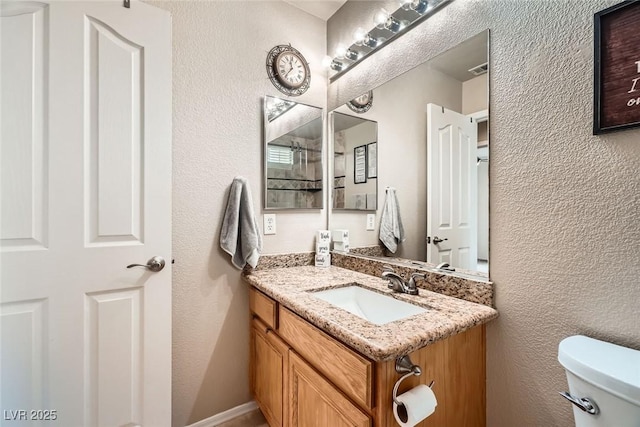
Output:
(480, 69)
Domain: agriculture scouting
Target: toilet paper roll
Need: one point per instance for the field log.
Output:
(420, 402)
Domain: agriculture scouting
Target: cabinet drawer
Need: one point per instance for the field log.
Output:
(264, 307)
(349, 371)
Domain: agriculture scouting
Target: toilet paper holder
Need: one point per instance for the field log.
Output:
(405, 366)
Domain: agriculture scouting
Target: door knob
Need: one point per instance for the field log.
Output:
(155, 264)
(437, 240)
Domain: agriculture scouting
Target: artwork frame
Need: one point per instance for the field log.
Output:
(616, 86)
(372, 160)
(360, 164)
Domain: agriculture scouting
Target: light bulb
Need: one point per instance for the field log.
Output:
(405, 4)
(341, 50)
(359, 35)
(326, 61)
(371, 41)
(380, 18)
(384, 19)
(351, 55)
(337, 65)
(394, 25)
(419, 6)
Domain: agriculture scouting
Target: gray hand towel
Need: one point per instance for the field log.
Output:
(391, 229)
(240, 236)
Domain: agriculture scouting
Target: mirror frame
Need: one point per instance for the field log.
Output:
(477, 275)
(265, 165)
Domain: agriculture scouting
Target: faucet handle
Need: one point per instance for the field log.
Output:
(444, 266)
(387, 267)
(412, 282)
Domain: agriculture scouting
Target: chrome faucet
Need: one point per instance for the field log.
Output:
(397, 283)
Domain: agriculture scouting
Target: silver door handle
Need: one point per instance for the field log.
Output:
(583, 403)
(437, 240)
(155, 264)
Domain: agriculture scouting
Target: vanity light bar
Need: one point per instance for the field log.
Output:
(393, 24)
(419, 6)
(278, 107)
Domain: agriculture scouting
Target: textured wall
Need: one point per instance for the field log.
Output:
(219, 78)
(565, 205)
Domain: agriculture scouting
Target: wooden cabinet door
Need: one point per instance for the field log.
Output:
(431, 360)
(466, 378)
(315, 402)
(269, 364)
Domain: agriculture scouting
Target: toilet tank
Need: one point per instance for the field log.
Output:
(608, 375)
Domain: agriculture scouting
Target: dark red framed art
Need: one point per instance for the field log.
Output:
(617, 67)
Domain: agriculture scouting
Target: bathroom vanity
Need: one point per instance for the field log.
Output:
(314, 364)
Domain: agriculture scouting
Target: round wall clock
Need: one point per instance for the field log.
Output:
(288, 70)
(362, 103)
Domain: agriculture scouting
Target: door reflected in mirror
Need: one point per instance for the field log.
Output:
(292, 155)
(433, 148)
(355, 162)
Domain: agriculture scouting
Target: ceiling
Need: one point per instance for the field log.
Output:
(343, 121)
(323, 9)
(457, 61)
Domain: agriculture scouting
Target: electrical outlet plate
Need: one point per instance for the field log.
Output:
(371, 221)
(269, 223)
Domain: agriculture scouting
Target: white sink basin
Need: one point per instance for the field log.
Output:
(375, 307)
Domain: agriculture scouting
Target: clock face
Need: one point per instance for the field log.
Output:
(362, 100)
(362, 103)
(290, 69)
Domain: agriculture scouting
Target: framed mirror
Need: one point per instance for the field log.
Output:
(292, 155)
(433, 148)
(355, 160)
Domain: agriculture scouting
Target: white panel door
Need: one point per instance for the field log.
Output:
(85, 181)
(452, 189)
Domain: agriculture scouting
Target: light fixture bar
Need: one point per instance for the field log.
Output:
(336, 65)
(384, 21)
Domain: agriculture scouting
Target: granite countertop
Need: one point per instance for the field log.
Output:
(445, 316)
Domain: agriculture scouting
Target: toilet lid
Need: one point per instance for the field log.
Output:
(611, 367)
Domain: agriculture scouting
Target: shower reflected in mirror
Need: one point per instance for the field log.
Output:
(292, 155)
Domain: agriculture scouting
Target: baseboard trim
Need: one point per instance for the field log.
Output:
(227, 415)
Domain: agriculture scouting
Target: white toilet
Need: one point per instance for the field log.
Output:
(604, 379)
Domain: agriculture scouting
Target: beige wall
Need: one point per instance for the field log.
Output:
(474, 94)
(565, 205)
(219, 79)
(356, 136)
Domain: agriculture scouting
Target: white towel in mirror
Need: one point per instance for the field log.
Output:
(391, 229)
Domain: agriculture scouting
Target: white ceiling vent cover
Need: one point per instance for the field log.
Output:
(480, 69)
